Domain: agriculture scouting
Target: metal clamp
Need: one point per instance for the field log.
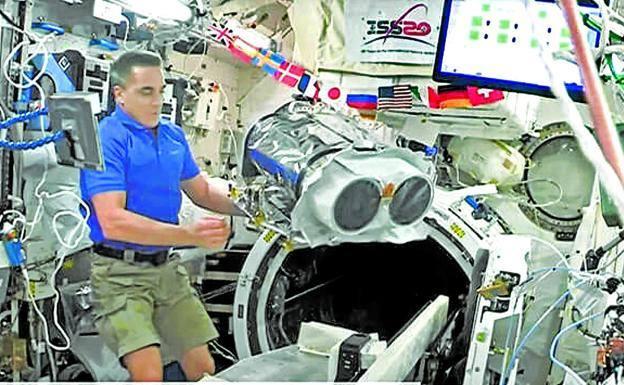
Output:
(128, 256)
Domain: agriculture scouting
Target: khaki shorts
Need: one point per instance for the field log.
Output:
(139, 306)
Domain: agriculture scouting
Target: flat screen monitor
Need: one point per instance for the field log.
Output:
(496, 44)
(74, 114)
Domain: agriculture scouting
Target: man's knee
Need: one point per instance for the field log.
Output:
(212, 367)
(209, 365)
(144, 365)
(197, 362)
(146, 374)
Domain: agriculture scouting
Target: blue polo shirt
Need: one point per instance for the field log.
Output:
(148, 169)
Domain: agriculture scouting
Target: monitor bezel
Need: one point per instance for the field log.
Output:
(576, 92)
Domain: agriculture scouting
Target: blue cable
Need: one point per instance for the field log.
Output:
(472, 202)
(48, 27)
(431, 151)
(22, 118)
(107, 44)
(30, 145)
(514, 356)
(555, 343)
(532, 275)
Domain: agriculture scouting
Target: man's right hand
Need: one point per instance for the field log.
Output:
(209, 232)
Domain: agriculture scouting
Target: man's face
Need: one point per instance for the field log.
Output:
(141, 96)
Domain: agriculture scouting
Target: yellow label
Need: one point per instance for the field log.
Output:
(258, 220)
(288, 245)
(234, 194)
(268, 237)
(32, 288)
(457, 230)
(68, 264)
(496, 289)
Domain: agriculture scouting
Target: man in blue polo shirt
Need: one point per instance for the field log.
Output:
(142, 296)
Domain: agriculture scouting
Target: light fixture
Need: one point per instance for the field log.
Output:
(159, 9)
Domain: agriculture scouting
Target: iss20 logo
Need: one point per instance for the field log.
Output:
(406, 27)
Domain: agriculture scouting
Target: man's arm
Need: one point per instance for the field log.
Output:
(120, 224)
(210, 195)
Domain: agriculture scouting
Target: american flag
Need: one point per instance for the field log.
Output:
(399, 96)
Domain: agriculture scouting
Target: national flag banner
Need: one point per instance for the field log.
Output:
(314, 89)
(309, 86)
(292, 69)
(416, 94)
(394, 97)
(303, 83)
(462, 97)
(265, 58)
(262, 58)
(239, 54)
(448, 97)
(243, 51)
(291, 73)
(276, 66)
(368, 114)
(332, 94)
(481, 96)
(219, 34)
(362, 101)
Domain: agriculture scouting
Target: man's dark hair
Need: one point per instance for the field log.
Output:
(122, 67)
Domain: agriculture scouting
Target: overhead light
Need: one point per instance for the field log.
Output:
(159, 9)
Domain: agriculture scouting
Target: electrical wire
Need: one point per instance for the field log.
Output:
(82, 224)
(555, 343)
(604, 34)
(31, 82)
(609, 178)
(510, 197)
(520, 347)
(201, 60)
(222, 351)
(125, 39)
(607, 174)
(598, 107)
(583, 278)
(55, 312)
(32, 144)
(14, 25)
(611, 261)
(542, 273)
(188, 53)
(45, 195)
(619, 78)
(52, 278)
(39, 210)
(586, 141)
(227, 124)
(179, 35)
(528, 203)
(586, 333)
(558, 253)
(71, 241)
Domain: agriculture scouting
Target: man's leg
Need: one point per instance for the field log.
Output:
(124, 310)
(196, 362)
(144, 365)
(183, 323)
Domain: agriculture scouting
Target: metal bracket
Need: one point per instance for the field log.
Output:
(128, 256)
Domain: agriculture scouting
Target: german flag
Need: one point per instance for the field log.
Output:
(462, 97)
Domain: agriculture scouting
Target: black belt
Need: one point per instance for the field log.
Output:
(131, 256)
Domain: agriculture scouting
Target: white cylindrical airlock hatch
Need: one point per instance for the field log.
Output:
(369, 287)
